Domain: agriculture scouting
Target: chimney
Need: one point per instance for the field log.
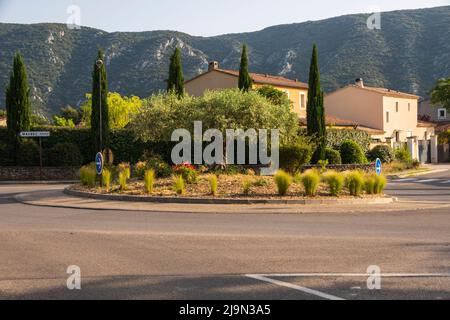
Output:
(213, 65)
(359, 82)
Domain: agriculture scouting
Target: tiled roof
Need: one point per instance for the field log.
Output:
(337, 122)
(387, 92)
(269, 79)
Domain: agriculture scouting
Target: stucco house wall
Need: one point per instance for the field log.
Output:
(213, 80)
(435, 113)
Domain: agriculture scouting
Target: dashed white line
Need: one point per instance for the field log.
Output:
(406, 180)
(429, 180)
(445, 182)
(295, 287)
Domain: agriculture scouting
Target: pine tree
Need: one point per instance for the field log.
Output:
(315, 109)
(100, 94)
(17, 103)
(245, 81)
(175, 83)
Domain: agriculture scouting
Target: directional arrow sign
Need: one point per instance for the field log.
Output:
(378, 166)
(99, 163)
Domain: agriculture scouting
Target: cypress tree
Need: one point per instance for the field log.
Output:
(175, 83)
(17, 103)
(315, 109)
(99, 94)
(245, 81)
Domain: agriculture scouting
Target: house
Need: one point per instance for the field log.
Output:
(2, 121)
(216, 78)
(433, 113)
(392, 112)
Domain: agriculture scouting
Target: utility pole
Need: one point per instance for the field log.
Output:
(99, 66)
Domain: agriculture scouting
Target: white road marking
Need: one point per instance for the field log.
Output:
(358, 275)
(295, 287)
(429, 180)
(445, 182)
(406, 180)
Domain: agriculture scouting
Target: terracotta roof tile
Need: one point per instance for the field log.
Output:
(388, 92)
(269, 79)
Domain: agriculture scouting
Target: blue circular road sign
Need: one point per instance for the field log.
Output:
(378, 166)
(99, 163)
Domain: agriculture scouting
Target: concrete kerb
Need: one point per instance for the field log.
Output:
(184, 200)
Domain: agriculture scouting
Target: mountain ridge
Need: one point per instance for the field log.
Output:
(409, 53)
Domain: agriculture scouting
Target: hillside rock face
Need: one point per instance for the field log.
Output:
(409, 53)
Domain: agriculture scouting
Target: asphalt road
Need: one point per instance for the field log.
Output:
(141, 255)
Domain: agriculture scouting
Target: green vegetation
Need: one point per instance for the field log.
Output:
(212, 179)
(188, 172)
(149, 180)
(123, 180)
(352, 153)
(294, 156)
(17, 104)
(354, 181)
(311, 180)
(88, 176)
(382, 152)
(245, 81)
(374, 184)
(175, 83)
(316, 125)
(333, 156)
(440, 94)
(335, 182)
(64, 154)
(246, 187)
(106, 179)
(178, 185)
(283, 181)
(274, 95)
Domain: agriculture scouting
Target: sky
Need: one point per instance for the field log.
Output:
(195, 17)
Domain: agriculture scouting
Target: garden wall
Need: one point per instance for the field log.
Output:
(344, 167)
(36, 174)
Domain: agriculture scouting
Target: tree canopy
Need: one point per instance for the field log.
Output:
(441, 93)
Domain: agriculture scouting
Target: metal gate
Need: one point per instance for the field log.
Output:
(425, 151)
(443, 153)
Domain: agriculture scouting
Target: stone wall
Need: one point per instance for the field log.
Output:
(344, 167)
(36, 174)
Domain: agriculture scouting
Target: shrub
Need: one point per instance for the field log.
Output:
(323, 165)
(6, 158)
(28, 154)
(178, 185)
(212, 179)
(333, 156)
(246, 187)
(64, 154)
(161, 168)
(149, 179)
(125, 169)
(354, 181)
(380, 184)
(106, 179)
(335, 182)
(352, 153)
(369, 183)
(123, 179)
(283, 181)
(311, 180)
(260, 182)
(187, 171)
(403, 155)
(140, 169)
(88, 176)
(294, 156)
(382, 152)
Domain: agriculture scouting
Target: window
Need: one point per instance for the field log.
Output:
(442, 114)
(396, 107)
(302, 101)
(387, 117)
(409, 106)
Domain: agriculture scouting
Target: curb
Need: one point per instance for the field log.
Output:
(180, 200)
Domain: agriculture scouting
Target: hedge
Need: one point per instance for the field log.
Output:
(335, 137)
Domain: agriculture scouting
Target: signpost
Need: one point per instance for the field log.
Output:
(40, 135)
(378, 167)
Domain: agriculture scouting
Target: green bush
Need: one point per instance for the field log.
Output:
(246, 187)
(64, 155)
(354, 181)
(149, 180)
(178, 185)
(106, 179)
(6, 158)
(293, 157)
(161, 168)
(382, 152)
(333, 156)
(403, 155)
(212, 179)
(283, 181)
(28, 154)
(139, 169)
(88, 175)
(311, 181)
(369, 183)
(123, 179)
(335, 182)
(352, 153)
(188, 172)
(380, 184)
